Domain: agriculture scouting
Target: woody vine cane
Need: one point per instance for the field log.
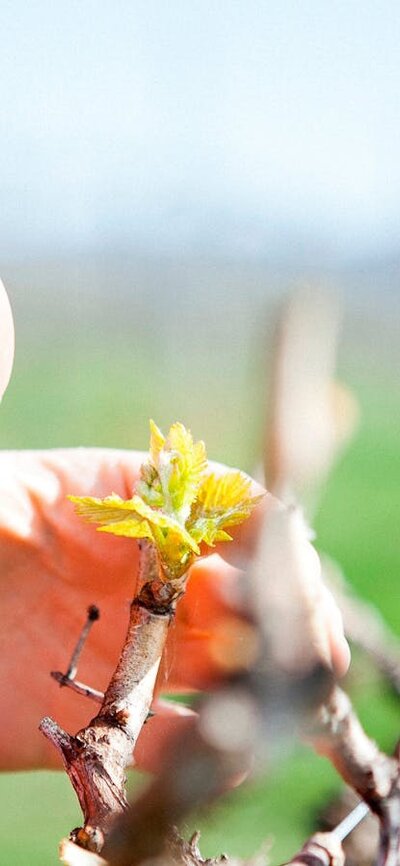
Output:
(177, 506)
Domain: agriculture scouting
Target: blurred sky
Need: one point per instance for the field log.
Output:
(238, 126)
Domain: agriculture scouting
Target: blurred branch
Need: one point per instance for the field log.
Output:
(361, 845)
(337, 733)
(307, 425)
(196, 772)
(310, 415)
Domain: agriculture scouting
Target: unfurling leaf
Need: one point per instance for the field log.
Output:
(133, 518)
(157, 441)
(108, 510)
(222, 501)
(176, 505)
(184, 465)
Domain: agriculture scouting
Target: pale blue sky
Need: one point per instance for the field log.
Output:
(243, 126)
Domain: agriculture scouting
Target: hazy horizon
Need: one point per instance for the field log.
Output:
(246, 129)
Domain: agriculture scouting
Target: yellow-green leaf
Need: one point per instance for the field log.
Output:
(174, 553)
(164, 522)
(108, 510)
(222, 501)
(130, 528)
(175, 505)
(222, 492)
(157, 442)
(135, 519)
(181, 469)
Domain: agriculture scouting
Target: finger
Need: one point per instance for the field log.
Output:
(34, 511)
(300, 616)
(6, 340)
(338, 646)
(246, 536)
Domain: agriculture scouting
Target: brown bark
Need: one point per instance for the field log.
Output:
(97, 756)
(338, 734)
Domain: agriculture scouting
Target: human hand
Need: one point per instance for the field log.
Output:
(53, 566)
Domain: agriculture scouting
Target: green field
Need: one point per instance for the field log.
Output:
(92, 398)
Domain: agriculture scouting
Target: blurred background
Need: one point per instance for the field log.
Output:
(168, 174)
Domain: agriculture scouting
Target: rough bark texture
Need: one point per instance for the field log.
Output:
(338, 734)
(97, 756)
